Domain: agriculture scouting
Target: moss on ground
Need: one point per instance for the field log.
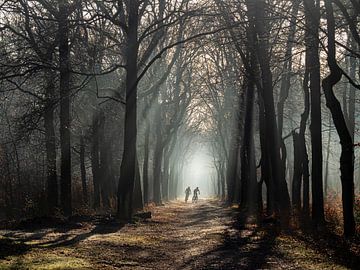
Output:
(44, 261)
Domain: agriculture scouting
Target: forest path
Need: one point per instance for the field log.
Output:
(179, 236)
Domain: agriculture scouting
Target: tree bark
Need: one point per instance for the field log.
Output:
(65, 118)
(247, 155)
(158, 154)
(146, 162)
(50, 144)
(312, 20)
(104, 162)
(256, 13)
(347, 148)
(265, 163)
(352, 94)
(296, 183)
(83, 170)
(128, 163)
(95, 163)
(326, 176)
(138, 203)
(165, 178)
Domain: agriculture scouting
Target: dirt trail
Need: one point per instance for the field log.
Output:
(179, 236)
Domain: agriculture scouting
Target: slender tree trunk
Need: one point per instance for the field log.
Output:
(178, 178)
(218, 180)
(326, 180)
(95, 163)
(104, 162)
(302, 141)
(146, 162)
(300, 152)
(158, 154)
(347, 148)
(253, 184)
(173, 179)
(168, 150)
(83, 170)
(312, 17)
(296, 183)
(306, 183)
(285, 82)
(265, 163)
(165, 178)
(65, 120)
(246, 152)
(50, 144)
(352, 94)
(232, 166)
(138, 203)
(223, 180)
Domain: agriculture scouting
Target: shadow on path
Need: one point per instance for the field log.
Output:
(238, 249)
(334, 247)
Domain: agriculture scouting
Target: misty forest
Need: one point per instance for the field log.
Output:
(179, 134)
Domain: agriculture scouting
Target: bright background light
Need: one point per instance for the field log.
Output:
(199, 172)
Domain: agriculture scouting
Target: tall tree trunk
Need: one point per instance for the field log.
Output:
(138, 202)
(218, 180)
(146, 162)
(168, 151)
(178, 178)
(265, 163)
(347, 148)
(300, 152)
(326, 176)
(256, 13)
(104, 162)
(83, 170)
(65, 120)
(312, 20)
(296, 183)
(232, 166)
(306, 183)
(165, 178)
(285, 82)
(302, 141)
(234, 163)
(95, 162)
(352, 94)
(50, 144)
(158, 154)
(246, 152)
(173, 179)
(222, 179)
(128, 163)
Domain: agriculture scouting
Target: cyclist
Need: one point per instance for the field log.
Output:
(196, 193)
(187, 193)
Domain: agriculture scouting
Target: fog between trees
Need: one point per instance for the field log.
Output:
(107, 106)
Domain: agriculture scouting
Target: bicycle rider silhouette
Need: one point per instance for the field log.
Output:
(195, 196)
(187, 193)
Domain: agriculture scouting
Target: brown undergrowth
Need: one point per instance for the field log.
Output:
(333, 211)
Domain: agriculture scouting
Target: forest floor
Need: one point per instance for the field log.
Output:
(205, 235)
